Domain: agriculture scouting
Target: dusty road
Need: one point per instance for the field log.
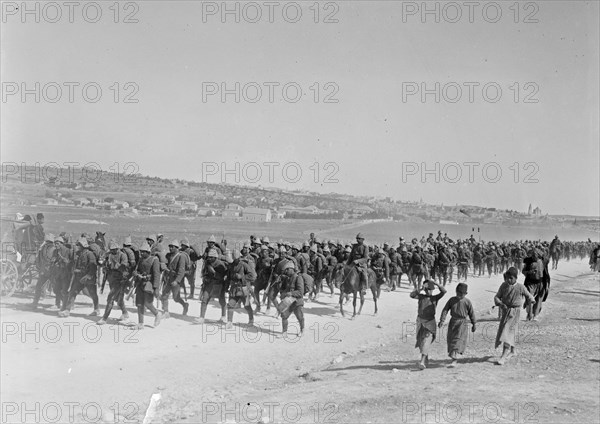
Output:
(342, 370)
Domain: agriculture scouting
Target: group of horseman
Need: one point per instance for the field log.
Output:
(291, 271)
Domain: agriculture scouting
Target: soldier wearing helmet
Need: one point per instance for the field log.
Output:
(240, 277)
(45, 265)
(174, 275)
(317, 270)
(213, 279)
(292, 297)
(63, 259)
(147, 285)
(359, 256)
(84, 276)
(117, 268)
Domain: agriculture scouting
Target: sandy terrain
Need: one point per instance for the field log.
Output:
(342, 370)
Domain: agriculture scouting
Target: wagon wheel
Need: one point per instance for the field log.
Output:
(9, 276)
(29, 279)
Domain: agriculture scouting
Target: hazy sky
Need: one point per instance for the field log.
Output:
(372, 57)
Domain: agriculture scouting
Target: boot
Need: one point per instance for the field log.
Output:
(185, 309)
(95, 313)
(101, 322)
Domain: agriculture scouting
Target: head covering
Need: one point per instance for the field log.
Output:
(236, 254)
(246, 245)
(175, 243)
(313, 248)
(295, 246)
(151, 237)
(428, 284)
(212, 253)
(289, 264)
(265, 239)
(462, 288)
(83, 242)
(49, 237)
(348, 249)
(127, 241)
(145, 247)
(212, 239)
(59, 239)
(360, 236)
(305, 244)
(113, 245)
(326, 249)
(185, 242)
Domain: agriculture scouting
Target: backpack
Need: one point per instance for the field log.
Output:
(195, 252)
(308, 281)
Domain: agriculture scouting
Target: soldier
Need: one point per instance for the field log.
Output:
(84, 276)
(213, 278)
(537, 282)
(240, 277)
(442, 263)
(330, 263)
(130, 251)
(117, 274)
(174, 279)
(416, 268)
(380, 263)
(147, 278)
(359, 256)
(190, 275)
(38, 230)
(317, 270)
(292, 297)
(63, 260)
(45, 265)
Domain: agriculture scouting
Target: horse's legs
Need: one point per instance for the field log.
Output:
(362, 302)
(341, 302)
(375, 297)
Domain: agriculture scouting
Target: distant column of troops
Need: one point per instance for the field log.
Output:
(292, 271)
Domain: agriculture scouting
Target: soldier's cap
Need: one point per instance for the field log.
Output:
(175, 243)
(462, 288)
(286, 244)
(401, 238)
(295, 246)
(49, 237)
(127, 241)
(83, 242)
(159, 235)
(263, 247)
(246, 245)
(59, 239)
(347, 244)
(113, 245)
(212, 253)
(236, 254)
(317, 240)
(39, 215)
(289, 264)
(348, 249)
(265, 240)
(313, 248)
(326, 249)
(360, 236)
(282, 250)
(339, 242)
(145, 247)
(212, 239)
(185, 242)
(385, 243)
(151, 237)
(305, 244)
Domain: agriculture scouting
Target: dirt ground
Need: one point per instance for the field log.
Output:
(340, 371)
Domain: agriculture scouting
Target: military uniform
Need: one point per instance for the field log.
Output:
(359, 256)
(213, 279)
(147, 278)
(175, 273)
(45, 264)
(293, 286)
(240, 278)
(85, 273)
(117, 274)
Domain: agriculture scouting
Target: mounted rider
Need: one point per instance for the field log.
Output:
(359, 256)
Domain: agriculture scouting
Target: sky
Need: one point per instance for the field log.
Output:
(361, 124)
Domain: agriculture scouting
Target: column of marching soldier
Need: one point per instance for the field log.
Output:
(291, 271)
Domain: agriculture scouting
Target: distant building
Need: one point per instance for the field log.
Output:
(50, 201)
(529, 210)
(256, 214)
(537, 212)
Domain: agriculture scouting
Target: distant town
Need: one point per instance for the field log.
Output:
(145, 195)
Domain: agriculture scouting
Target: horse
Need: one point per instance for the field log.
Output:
(348, 278)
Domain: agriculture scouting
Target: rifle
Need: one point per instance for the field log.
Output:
(133, 288)
(104, 278)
